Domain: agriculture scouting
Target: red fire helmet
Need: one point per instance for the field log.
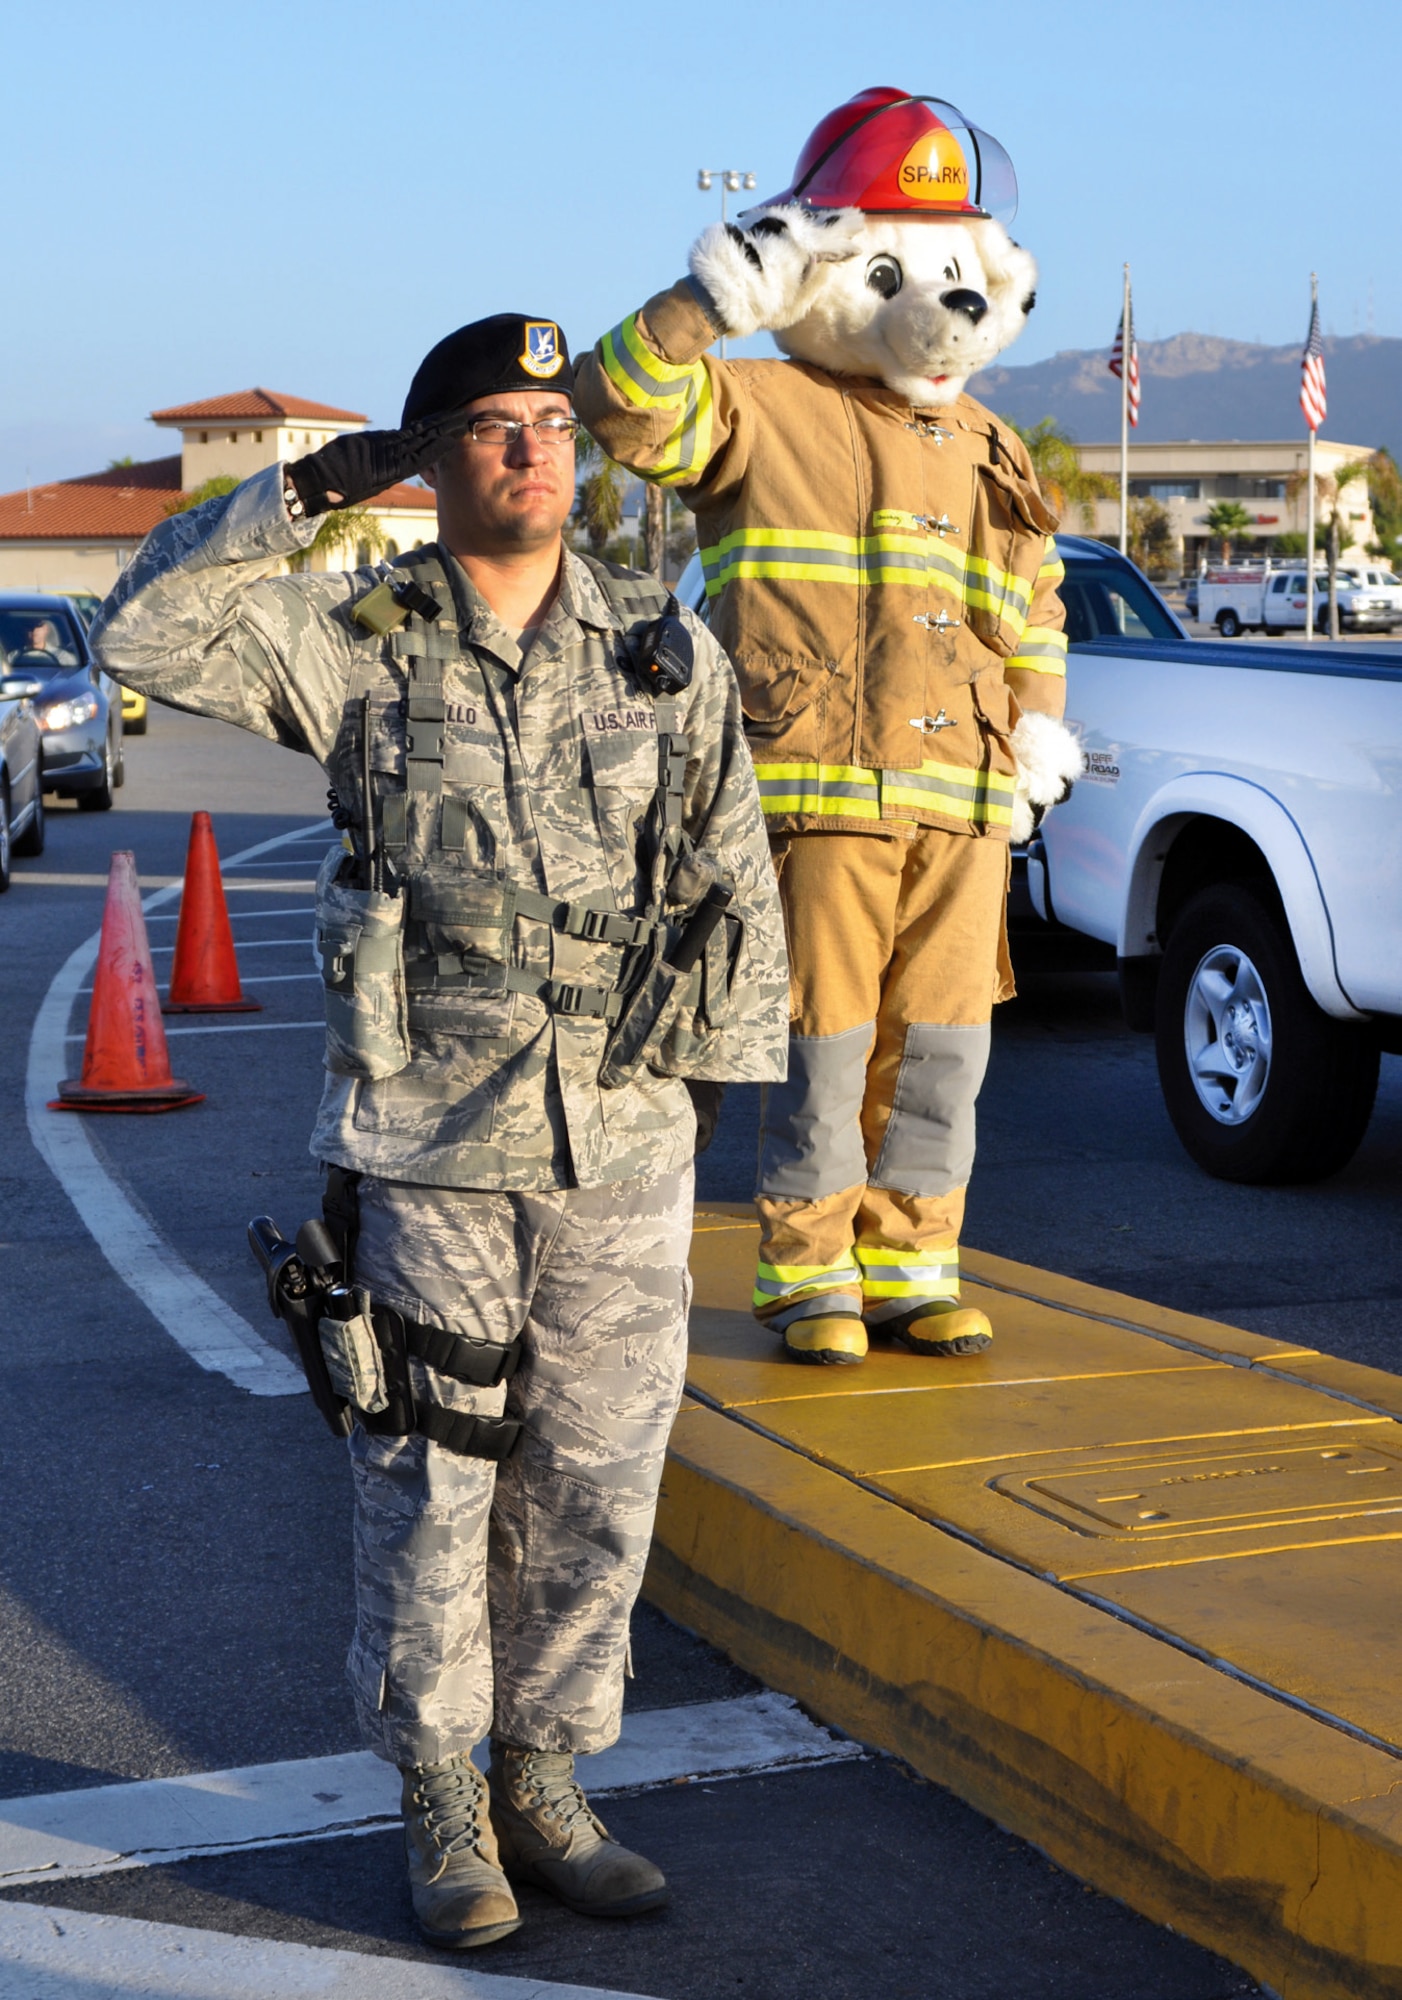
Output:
(888, 153)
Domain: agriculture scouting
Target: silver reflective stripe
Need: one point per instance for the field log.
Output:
(929, 1142)
(811, 1124)
(819, 1307)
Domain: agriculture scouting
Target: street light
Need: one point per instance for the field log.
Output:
(732, 180)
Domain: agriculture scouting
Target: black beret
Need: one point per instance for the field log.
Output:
(507, 351)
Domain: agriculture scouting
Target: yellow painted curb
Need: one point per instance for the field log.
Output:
(1160, 1774)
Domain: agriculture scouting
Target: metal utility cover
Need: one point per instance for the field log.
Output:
(1165, 1493)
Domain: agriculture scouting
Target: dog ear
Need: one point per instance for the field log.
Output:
(1010, 273)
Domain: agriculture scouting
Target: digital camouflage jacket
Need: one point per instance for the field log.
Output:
(548, 769)
(884, 578)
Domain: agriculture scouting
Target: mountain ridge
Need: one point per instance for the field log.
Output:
(1208, 387)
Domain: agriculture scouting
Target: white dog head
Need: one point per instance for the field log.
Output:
(919, 304)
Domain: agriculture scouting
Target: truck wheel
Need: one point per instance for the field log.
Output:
(1228, 624)
(1260, 1083)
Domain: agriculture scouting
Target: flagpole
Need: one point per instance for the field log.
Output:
(1309, 496)
(1127, 346)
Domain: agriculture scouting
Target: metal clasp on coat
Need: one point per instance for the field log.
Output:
(944, 526)
(930, 725)
(944, 623)
(931, 428)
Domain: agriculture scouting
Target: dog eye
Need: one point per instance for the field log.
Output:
(885, 275)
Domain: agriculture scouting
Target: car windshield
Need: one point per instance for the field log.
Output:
(41, 642)
(1105, 602)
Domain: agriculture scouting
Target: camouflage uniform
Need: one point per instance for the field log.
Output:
(504, 1190)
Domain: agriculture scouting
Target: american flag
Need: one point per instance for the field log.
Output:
(1117, 362)
(1312, 398)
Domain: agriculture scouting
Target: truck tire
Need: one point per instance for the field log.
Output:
(1260, 1083)
(1228, 624)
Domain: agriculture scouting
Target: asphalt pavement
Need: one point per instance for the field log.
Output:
(174, 1571)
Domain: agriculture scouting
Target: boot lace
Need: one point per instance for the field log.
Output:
(449, 1799)
(548, 1777)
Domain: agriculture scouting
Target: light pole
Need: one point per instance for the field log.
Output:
(732, 180)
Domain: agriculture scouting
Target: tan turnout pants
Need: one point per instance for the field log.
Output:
(897, 953)
(496, 1598)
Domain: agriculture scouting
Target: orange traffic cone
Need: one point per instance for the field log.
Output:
(204, 977)
(125, 1064)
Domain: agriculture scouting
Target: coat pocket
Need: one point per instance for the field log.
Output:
(1008, 527)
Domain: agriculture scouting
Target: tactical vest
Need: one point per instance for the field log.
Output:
(412, 943)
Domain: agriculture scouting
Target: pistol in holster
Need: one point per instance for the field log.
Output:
(355, 1354)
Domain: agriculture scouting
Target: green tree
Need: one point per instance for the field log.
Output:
(1057, 464)
(599, 502)
(1329, 517)
(1152, 542)
(212, 489)
(1229, 521)
(344, 529)
(1385, 498)
(120, 464)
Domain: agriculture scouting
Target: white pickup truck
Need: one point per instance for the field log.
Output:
(1274, 600)
(1237, 838)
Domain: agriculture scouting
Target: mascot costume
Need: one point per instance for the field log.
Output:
(879, 566)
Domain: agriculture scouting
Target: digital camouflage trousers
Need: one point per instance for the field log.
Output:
(496, 1598)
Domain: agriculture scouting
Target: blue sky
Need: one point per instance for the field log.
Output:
(308, 195)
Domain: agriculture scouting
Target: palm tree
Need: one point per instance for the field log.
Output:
(1230, 521)
(1057, 465)
(1329, 501)
(600, 504)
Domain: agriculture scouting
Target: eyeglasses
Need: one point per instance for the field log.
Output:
(503, 432)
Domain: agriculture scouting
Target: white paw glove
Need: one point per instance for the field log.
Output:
(765, 274)
(1048, 764)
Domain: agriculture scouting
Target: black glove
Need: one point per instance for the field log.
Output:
(361, 463)
(706, 1102)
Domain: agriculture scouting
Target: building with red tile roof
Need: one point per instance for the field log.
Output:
(77, 534)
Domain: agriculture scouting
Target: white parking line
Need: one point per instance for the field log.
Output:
(231, 866)
(63, 1835)
(234, 1027)
(192, 1312)
(238, 916)
(245, 944)
(71, 1955)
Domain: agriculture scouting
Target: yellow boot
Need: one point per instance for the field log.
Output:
(837, 1338)
(942, 1327)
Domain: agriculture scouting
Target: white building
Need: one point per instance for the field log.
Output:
(1189, 477)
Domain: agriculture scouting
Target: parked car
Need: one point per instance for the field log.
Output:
(43, 639)
(21, 787)
(1236, 836)
(87, 603)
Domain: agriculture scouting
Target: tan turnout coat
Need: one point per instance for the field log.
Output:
(883, 577)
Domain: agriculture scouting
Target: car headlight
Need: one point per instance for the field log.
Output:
(67, 714)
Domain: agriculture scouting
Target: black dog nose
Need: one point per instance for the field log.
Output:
(972, 304)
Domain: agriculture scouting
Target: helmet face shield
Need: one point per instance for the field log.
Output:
(887, 153)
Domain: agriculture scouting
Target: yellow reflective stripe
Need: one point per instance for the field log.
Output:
(1053, 568)
(983, 798)
(846, 791)
(784, 1281)
(648, 382)
(842, 790)
(888, 1273)
(1041, 650)
(815, 555)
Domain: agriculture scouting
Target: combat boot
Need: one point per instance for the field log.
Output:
(837, 1338)
(461, 1897)
(549, 1836)
(941, 1327)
